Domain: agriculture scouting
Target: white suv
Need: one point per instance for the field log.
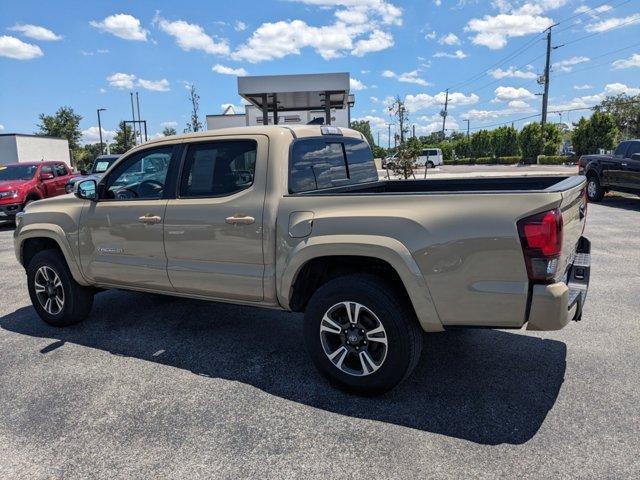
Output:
(431, 157)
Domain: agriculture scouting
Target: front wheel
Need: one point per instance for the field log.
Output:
(361, 334)
(595, 192)
(57, 298)
(430, 164)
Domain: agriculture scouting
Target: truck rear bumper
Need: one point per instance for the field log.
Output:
(555, 305)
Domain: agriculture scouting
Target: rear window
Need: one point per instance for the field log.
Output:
(318, 163)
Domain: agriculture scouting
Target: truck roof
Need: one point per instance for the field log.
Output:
(299, 131)
(29, 164)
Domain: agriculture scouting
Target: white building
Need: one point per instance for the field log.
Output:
(18, 147)
(289, 100)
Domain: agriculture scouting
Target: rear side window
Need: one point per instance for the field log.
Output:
(432, 153)
(218, 168)
(318, 163)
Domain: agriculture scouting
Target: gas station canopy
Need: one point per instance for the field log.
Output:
(287, 93)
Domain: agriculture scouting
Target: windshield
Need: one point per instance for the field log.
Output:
(17, 172)
(101, 165)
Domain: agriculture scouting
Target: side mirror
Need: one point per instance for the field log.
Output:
(86, 189)
(46, 176)
(635, 156)
(83, 172)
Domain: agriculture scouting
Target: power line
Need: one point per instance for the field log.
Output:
(633, 20)
(593, 17)
(590, 67)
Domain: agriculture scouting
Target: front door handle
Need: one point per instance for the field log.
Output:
(623, 164)
(150, 219)
(240, 219)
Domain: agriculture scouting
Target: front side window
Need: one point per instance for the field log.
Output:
(216, 169)
(142, 176)
(634, 147)
(46, 169)
(622, 148)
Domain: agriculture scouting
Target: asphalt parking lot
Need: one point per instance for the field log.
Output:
(152, 386)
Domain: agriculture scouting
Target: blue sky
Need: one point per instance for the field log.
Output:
(92, 54)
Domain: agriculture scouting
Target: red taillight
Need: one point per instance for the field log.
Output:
(541, 238)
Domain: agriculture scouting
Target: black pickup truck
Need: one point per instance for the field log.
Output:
(619, 172)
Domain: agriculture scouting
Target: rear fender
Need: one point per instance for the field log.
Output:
(387, 249)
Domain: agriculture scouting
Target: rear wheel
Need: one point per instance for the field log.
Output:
(430, 164)
(57, 298)
(595, 192)
(361, 334)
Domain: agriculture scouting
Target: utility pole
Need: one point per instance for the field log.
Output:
(100, 130)
(389, 145)
(467, 120)
(139, 124)
(378, 137)
(414, 130)
(547, 70)
(444, 113)
(133, 115)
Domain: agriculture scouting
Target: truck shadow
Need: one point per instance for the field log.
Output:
(485, 386)
(625, 202)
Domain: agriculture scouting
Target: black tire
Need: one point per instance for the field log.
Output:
(430, 165)
(392, 309)
(77, 300)
(595, 192)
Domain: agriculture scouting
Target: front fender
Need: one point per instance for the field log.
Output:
(387, 249)
(55, 233)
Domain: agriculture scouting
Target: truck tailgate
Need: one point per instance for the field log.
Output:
(574, 215)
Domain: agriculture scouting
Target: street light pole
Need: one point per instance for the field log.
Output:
(100, 130)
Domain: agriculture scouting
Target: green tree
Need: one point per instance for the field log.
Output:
(87, 155)
(399, 110)
(552, 139)
(378, 152)
(364, 127)
(408, 152)
(481, 144)
(531, 142)
(462, 147)
(625, 110)
(504, 142)
(600, 131)
(65, 123)
(168, 131)
(124, 139)
(433, 138)
(194, 124)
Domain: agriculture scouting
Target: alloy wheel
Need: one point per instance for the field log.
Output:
(353, 338)
(49, 290)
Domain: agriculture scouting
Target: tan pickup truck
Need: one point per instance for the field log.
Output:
(296, 218)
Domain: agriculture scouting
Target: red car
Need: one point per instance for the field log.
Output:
(21, 183)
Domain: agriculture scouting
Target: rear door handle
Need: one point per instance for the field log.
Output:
(240, 219)
(150, 219)
(624, 164)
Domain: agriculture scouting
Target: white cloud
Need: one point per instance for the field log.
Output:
(1, 127)
(239, 26)
(127, 81)
(506, 94)
(632, 61)
(92, 135)
(588, 101)
(223, 70)
(121, 80)
(613, 23)
(568, 64)
(512, 72)
(449, 39)
(459, 54)
(377, 41)
(12, 47)
(586, 86)
(406, 77)
(516, 19)
(231, 109)
(421, 101)
(430, 35)
(169, 124)
(190, 36)
(36, 32)
(122, 26)
(358, 29)
(356, 85)
(593, 12)
(156, 86)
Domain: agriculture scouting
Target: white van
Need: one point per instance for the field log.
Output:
(431, 157)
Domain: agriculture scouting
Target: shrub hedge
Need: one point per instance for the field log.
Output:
(555, 160)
